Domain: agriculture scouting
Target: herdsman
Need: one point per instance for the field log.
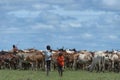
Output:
(48, 54)
(15, 50)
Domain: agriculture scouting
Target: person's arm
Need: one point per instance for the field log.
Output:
(62, 58)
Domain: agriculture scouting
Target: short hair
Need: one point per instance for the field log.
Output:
(13, 46)
(60, 53)
(48, 47)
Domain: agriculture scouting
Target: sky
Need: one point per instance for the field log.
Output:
(80, 24)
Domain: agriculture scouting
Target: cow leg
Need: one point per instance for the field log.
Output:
(32, 65)
(99, 66)
(91, 67)
(119, 66)
(20, 65)
(42, 65)
(75, 65)
(103, 64)
(36, 65)
(112, 65)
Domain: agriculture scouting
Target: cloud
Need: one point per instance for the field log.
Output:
(75, 25)
(66, 37)
(83, 15)
(110, 5)
(66, 4)
(58, 1)
(113, 37)
(72, 23)
(40, 26)
(24, 13)
(87, 36)
(41, 6)
(10, 30)
(86, 4)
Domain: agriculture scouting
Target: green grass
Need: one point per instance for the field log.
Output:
(68, 75)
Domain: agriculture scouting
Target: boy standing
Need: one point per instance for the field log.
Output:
(60, 62)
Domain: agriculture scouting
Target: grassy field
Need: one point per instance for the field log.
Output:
(68, 75)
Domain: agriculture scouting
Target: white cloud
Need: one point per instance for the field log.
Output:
(24, 13)
(86, 12)
(113, 37)
(84, 15)
(41, 6)
(59, 1)
(16, 1)
(39, 26)
(75, 25)
(10, 30)
(107, 4)
(49, 18)
(111, 3)
(38, 6)
(87, 36)
(67, 4)
(79, 21)
(70, 24)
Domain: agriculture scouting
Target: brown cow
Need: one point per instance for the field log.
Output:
(8, 60)
(36, 60)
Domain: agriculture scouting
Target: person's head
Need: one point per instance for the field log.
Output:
(13, 46)
(60, 54)
(48, 47)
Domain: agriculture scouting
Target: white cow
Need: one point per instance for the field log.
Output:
(114, 58)
(83, 58)
(98, 61)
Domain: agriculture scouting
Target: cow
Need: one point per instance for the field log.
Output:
(98, 61)
(36, 59)
(8, 60)
(114, 58)
(82, 58)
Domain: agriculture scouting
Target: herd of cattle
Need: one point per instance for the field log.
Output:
(74, 60)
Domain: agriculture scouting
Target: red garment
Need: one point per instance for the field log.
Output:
(60, 60)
